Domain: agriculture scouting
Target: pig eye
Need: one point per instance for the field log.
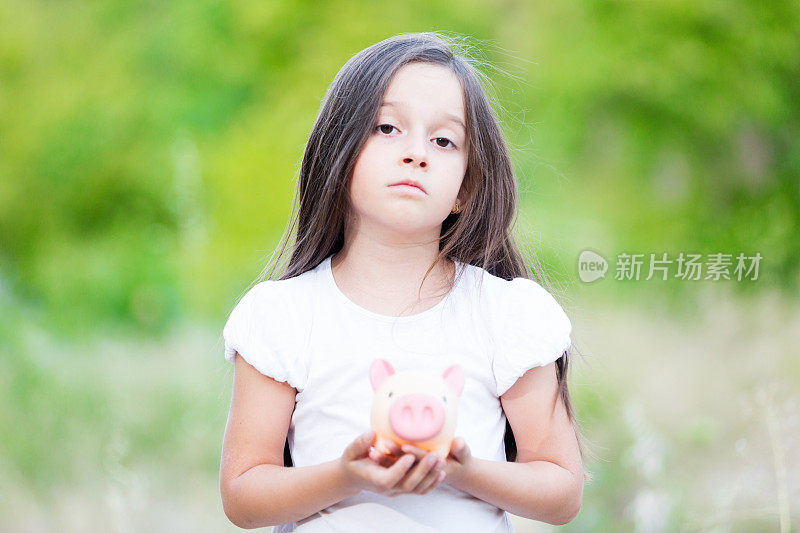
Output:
(390, 395)
(444, 399)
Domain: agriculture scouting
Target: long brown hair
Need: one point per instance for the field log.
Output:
(480, 234)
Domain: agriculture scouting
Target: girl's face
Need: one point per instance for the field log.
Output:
(419, 136)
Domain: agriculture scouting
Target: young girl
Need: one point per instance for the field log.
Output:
(403, 251)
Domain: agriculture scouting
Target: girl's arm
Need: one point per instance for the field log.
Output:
(546, 482)
(268, 495)
(257, 490)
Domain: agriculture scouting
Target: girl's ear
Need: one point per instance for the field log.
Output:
(464, 194)
(461, 199)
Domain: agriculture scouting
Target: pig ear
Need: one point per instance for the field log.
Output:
(379, 370)
(454, 377)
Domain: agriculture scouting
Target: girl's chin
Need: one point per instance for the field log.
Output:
(408, 222)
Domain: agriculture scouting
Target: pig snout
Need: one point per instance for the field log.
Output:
(416, 417)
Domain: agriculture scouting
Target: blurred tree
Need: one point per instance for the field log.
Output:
(148, 150)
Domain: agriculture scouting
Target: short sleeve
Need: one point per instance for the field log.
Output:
(263, 328)
(532, 330)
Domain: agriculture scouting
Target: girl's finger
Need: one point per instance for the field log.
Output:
(419, 453)
(397, 471)
(381, 458)
(418, 475)
(436, 483)
(376, 456)
(435, 475)
(394, 449)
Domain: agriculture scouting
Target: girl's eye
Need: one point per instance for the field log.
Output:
(446, 141)
(386, 129)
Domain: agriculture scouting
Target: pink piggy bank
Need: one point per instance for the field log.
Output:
(416, 408)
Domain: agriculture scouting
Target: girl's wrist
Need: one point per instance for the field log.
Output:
(457, 477)
(347, 481)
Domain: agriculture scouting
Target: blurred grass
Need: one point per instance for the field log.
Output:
(124, 432)
(116, 425)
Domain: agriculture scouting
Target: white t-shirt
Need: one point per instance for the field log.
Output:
(306, 332)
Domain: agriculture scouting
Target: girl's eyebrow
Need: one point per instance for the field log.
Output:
(449, 116)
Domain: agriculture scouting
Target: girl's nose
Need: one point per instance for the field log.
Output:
(410, 160)
(415, 153)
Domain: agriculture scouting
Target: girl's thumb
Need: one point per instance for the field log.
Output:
(458, 447)
(360, 446)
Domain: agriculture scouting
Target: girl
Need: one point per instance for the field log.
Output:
(403, 251)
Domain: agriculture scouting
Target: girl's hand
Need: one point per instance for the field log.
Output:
(458, 460)
(403, 476)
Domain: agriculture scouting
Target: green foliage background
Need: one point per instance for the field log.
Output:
(150, 149)
(148, 153)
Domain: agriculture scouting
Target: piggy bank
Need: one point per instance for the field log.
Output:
(412, 407)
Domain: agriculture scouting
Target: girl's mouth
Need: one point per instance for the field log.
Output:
(406, 186)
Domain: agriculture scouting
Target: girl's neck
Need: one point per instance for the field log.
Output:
(389, 283)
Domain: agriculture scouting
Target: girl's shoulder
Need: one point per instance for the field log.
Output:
(527, 326)
(279, 306)
(275, 291)
(518, 306)
(268, 327)
(501, 292)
